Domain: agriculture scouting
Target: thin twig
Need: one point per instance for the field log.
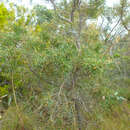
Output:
(108, 36)
(59, 93)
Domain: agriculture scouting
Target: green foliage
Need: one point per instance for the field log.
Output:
(3, 90)
(95, 8)
(4, 14)
(5, 17)
(49, 77)
(43, 14)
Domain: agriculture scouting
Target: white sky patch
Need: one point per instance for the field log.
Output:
(27, 3)
(111, 3)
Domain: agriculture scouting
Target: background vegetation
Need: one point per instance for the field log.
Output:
(61, 69)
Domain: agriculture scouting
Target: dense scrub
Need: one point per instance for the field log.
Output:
(47, 82)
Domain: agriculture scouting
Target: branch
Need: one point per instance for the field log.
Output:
(122, 12)
(107, 37)
(77, 35)
(101, 28)
(113, 43)
(124, 25)
(80, 18)
(117, 34)
(74, 6)
(3, 96)
(102, 23)
(61, 17)
(78, 117)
